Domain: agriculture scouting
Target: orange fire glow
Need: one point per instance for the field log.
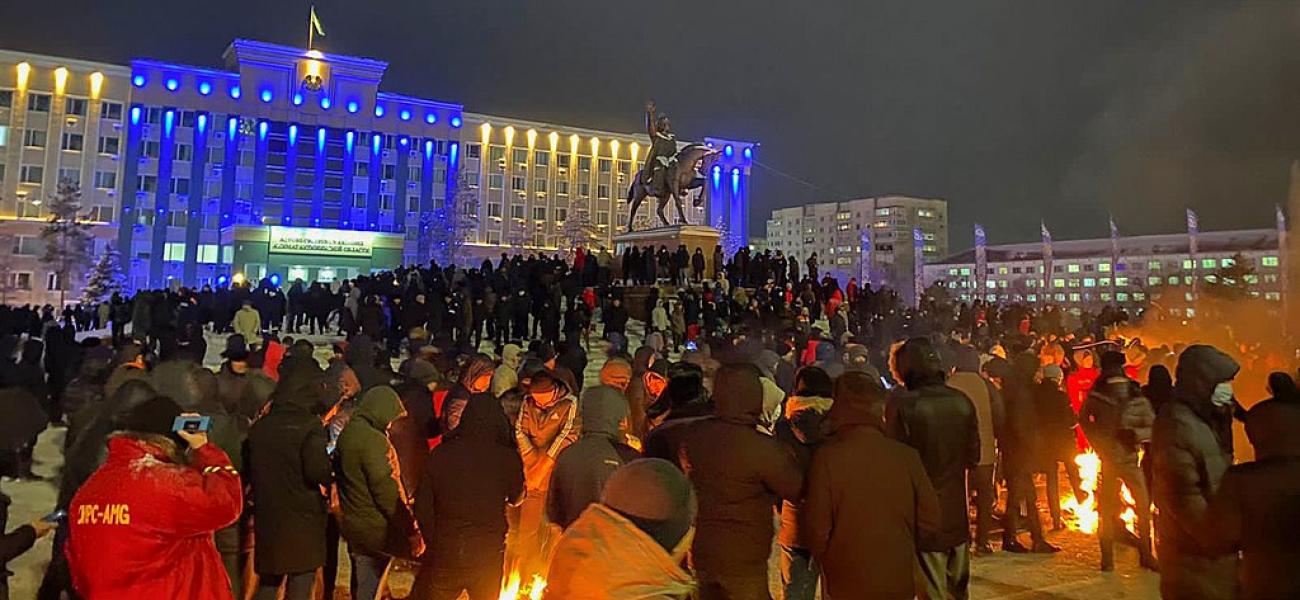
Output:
(1085, 513)
(514, 588)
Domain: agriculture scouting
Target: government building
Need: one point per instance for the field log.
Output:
(294, 164)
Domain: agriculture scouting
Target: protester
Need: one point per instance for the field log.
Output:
(866, 553)
(467, 482)
(1117, 420)
(739, 474)
(991, 416)
(582, 468)
(940, 423)
(288, 467)
(16, 542)
(632, 543)
(142, 525)
(1191, 449)
(548, 423)
(800, 429)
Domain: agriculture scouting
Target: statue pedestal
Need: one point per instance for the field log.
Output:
(693, 236)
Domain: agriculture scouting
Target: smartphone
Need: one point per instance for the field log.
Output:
(692, 346)
(56, 517)
(191, 424)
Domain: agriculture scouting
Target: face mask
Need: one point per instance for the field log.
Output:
(1222, 395)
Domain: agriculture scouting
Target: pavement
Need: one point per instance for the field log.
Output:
(1072, 574)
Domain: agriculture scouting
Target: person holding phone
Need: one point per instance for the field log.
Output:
(18, 541)
(142, 525)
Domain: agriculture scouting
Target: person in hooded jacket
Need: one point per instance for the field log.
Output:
(548, 423)
(473, 385)
(467, 482)
(582, 469)
(1191, 449)
(1021, 456)
(1254, 512)
(941, 424)
(287, 468)
(142, 525)
(739, 475)
(866, 553)
(1117, 420)
(800, 429)
(506, 375)
(360, 355)
(631, 544)
(375, 518)
(1056, 422)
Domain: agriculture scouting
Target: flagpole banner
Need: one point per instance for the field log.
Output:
(981, 262)
(866, 256)
(1047, 261)
(918, 264)
(1193, 228)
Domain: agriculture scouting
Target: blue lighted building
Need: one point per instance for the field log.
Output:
(253, 170)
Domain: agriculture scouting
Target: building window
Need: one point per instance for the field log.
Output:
(516, 211)
(184, 152)
(386, 201)
(1209, 263)
(562, 187)
(38, 102)
(541, 158)
(496, 154)
(605, 165)
(561, 214)
(70, 175)
(584, 189)
(539, 185)
(110, 110)
(519, 156)
(584, 163)
(73, 142)
(412, 204)
(1268, 261)
(473, 151)
(1072, 268)
(390, 172)
(177, 218)
(1058, 283)
(602, 191)
(174, 251)
(6, 98)
(495, 181)
(28, 245)
(101, 214)
(518, 183)
(22, 280)
(75, 107)
(539, 213)
(180, 186)
(52, 282)
(31, 173)
(152, 149)
(1153, 265)
(494, 210)
(562, 161)
(109, 145)
(359, 199)
(34, 138)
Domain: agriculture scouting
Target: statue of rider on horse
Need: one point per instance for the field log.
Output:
(667, 172)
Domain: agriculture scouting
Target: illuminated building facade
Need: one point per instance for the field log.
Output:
(834, 230)
(1084, 274)
(179, 165)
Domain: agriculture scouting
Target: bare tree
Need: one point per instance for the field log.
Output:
(579, 231)
(68, 242)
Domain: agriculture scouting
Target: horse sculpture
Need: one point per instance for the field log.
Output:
(683, 176)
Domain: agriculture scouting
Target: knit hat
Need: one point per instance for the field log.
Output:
(654, 495)
(422, 371)
(236, 348)
(1053, 372)
(155, 415)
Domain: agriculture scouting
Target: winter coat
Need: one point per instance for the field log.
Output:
(543, 431)
(1022, 440)
(1189, 458)
(141, 526)
(604, 556)
(374, 517)
(941, 424)
(582, 468)
(506, 375)
(467, 482)
(12, 544)
(248, 323)
(1116, 418)
(738, 473)
(868, 501)
(989, 411)
(800, 429)
(1254, 512)
(287, 466)
(1056, 420)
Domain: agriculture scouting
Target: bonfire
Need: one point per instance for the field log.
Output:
(1086, 517)
(514, 588)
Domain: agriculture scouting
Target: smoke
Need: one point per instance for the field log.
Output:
(1208, 117)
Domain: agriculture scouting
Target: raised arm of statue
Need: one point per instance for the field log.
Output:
(650, 118)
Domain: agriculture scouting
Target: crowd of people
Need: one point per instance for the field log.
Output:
(458, 424)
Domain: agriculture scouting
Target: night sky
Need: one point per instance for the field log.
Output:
(1012, 110)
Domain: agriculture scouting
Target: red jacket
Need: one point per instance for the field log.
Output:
(1077, 385)
(141, 527)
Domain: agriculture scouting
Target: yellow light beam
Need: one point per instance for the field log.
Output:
(60, 80)
(573, 144)
(486, 131)
(510, 135)
(555, 140)
(634, 149)
(532, 138)
(24, 72)
(96, 84)
(595, 147)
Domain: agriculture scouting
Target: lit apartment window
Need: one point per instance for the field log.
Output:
(1072, 268)
(1153, 265)
(1268, 261)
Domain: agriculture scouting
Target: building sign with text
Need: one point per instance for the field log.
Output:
(327, 242)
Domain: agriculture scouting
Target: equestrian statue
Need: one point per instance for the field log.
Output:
(668, 172)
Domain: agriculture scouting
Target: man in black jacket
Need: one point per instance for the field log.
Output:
(460, 505)
(287, 465)
(582, 468)
(940, 423)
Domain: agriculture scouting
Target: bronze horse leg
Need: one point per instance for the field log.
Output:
(660, 209)
(635, 196)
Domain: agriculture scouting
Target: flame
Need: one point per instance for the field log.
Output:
(1085, 513)
(513, 589)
